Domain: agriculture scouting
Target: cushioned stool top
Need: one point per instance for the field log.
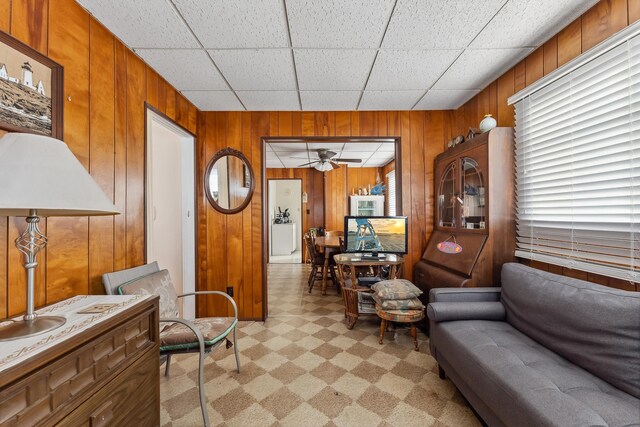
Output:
(401, 316)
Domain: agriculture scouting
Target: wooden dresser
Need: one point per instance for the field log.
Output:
(99, 369)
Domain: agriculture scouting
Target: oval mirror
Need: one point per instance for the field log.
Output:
(229, 181)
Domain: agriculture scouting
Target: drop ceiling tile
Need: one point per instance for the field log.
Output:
(329, 100)
(333, 146)
(189, 69)
(236, 24)
(288, 146)
(375, 163)
(522, 23)
(270, 100)
(360, 146)
(333, 69)
(206, 100)
(476, 68)
(256, 69)
(293, 163)
(389, 100)
(274, 164)
(149, 23)
(297, 156)
(438, 24)
(445, 99)
(384, 155)
(409, 69)
(362, 155)
(338, 23)
(387, 147)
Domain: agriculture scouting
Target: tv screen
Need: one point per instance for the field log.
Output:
(382, 234)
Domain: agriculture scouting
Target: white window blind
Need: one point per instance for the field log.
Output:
(391, 193)
(578, 166)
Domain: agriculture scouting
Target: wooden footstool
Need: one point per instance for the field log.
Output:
(400, 316)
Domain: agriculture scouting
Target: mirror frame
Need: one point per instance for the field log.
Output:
(220, 154)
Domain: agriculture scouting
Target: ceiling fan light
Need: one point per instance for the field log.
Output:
(323, 166)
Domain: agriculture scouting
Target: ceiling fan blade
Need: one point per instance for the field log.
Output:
(334, 165)
(323, 153)
(348, 160)
(301, 158)
(307, 164)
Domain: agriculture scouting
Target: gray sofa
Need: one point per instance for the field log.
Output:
(542, 350)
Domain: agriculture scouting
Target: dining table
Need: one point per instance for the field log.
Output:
(326, 244)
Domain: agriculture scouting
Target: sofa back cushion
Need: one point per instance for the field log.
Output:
(593, 326)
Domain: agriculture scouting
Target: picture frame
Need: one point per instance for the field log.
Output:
(32, 85)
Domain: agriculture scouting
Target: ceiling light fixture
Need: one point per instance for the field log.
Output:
(323, 166)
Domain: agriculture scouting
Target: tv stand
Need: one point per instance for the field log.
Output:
(373, 255)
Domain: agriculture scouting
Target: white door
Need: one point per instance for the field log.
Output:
(170, 204)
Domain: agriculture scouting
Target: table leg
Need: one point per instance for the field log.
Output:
(325, 270)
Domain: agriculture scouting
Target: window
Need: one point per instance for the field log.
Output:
(578, 162)
(391, 193)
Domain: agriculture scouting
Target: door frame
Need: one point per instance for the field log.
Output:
(397, 141)
(151, 113)
(302, 212)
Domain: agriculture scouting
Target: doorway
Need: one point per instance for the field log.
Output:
(334, 172)
(170, 202)
(284, 209)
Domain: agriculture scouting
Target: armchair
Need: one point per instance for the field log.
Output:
(178, 335)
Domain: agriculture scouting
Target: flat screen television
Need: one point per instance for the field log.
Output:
(375, 235)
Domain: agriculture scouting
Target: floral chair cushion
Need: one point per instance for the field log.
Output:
(398, 304)
(160, 284)
(396, 289)
(177, 336)
(400, 316)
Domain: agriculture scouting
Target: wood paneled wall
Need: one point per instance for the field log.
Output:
(362, 178)
(230, 246)
(105, 88)
(598, 23)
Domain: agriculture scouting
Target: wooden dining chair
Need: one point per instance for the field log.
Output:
(317, 261)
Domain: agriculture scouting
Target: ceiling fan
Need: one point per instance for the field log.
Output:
(327, 162)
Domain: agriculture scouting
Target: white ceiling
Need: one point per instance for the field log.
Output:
(333, 54)
(294, 154)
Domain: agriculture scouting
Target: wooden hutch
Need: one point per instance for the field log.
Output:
(474, 211)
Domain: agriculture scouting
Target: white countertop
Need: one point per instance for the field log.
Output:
(16, 351)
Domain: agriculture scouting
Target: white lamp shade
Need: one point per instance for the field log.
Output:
(41, 173)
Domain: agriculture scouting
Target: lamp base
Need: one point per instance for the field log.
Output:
(28, 328)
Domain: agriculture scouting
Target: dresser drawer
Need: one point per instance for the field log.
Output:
(132, 398)
(50, 391)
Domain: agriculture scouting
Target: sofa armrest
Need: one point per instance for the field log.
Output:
(449, 311)
(464, 294)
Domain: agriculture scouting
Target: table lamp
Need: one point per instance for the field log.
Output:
(41, 177)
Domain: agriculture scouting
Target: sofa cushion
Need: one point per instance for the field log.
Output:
(396, 289)
(593, 326)
(398, 304)
(527, 384)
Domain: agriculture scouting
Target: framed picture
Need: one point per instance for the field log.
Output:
(31, 87)
(246, 182)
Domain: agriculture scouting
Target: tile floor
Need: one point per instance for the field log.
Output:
(303, 367)
(294, 258)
